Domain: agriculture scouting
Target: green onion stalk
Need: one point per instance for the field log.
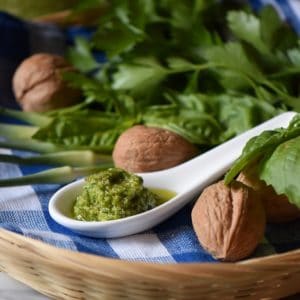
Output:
(75, 161)
(10, 131)
(80, 158)
(45, 147)
(28, 117)
(60, 175)
(30, 145)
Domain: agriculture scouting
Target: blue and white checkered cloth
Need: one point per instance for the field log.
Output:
(25, 209)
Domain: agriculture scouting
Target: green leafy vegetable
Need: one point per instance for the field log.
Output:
(281, 170)
(76, 131)
(140, 76)
(255, 149)
(262, 146)
(247, 27)
(114, 37)
(82, 55)
(209, 119)
(277, 156)
(207, 70)
(161, 51)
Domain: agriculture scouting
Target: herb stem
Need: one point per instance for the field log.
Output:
(292, 101)
(285, 73)
(191, 67)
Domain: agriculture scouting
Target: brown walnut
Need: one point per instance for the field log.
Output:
(278, 208)
(146, 149)
(229, 221)
(38, 85)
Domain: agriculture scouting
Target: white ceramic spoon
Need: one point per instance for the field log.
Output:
(186, 180)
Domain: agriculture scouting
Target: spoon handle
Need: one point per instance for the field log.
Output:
(193, 175)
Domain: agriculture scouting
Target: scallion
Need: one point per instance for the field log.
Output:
(80, 158)
(28, 117)
(12, 131)
(59, 175)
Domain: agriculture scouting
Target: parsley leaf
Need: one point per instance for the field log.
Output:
(246, 27)
(81, 56)
(139, 76)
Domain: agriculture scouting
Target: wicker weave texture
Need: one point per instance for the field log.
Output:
(63, 274)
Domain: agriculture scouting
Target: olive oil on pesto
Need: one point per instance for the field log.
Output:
(163, 195)
(114, 194)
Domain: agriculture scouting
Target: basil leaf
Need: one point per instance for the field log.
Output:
(282, 170)
(262, 147)
(255, 147)
(198, 128)
(79, 131)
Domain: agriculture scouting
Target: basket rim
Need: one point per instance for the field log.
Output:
(81, 258)
(49, 269)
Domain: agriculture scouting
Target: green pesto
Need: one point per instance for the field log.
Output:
(113, 194)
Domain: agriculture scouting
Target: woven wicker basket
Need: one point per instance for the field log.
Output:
(63, 274)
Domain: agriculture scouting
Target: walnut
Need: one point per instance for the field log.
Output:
(278, 208)
(38, 85)
(146, 149)
(229, 221)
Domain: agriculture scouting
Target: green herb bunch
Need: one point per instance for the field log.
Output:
(206, 70)
(198, 68)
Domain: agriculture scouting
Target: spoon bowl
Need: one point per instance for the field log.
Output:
(60, 209)
(186, 180)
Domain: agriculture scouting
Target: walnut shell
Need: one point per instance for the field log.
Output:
(38, 85)
(278, 208)
(146, 149)
(229, 221)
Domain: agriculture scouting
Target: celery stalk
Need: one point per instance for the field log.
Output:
(59, 175)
